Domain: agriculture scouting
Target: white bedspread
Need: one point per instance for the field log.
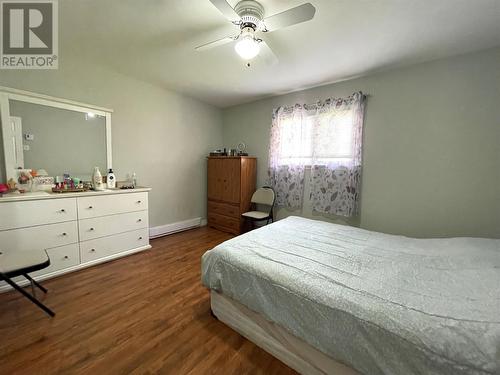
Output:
(380, 303)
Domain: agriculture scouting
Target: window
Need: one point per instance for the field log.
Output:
(316, 138)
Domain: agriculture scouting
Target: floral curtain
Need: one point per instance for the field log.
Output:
(327, 137)
(286, 167)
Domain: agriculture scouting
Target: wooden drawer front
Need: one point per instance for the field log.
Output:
(106, 246)
(224, 209)
(41, 237)
(61, 258)
(102, 205)
(113, 224)
(226, 223)
(38, 212)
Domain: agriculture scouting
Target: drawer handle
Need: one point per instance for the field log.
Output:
(91, 229)
(64, 234)
(139, 220)
(63, 210)
(140, 237)
(90, 207)
(66, 257)
(139, 201)
(92, 250)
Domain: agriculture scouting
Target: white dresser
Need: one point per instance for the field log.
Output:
(77, 229)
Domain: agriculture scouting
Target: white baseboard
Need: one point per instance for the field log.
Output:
(164, 230)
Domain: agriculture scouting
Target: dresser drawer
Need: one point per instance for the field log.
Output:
(225, 209)
(40, 237)
(224, 223)
(61, 258)
(37, 212)
(102, 205)
(113, 224)
(106, 246)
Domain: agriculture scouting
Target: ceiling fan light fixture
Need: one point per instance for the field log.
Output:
(247, 46)
(251, 18)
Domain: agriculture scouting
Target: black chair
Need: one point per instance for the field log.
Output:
(263, 196)
(21, 263)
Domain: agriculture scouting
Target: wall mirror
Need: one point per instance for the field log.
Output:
(51, 134)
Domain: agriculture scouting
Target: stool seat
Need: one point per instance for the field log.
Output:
(15, 263)
(20, 263)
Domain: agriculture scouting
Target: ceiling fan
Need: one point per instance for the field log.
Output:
(249, 16)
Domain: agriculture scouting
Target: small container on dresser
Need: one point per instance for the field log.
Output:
(231, 183)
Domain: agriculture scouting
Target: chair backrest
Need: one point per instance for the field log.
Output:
(264, 195)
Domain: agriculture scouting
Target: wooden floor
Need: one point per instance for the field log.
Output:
(146, 313)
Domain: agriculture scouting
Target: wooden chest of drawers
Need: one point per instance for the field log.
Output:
(231, 183)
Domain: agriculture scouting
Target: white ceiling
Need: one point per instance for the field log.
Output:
(154, 40)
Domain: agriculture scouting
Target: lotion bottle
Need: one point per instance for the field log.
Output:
(111, 180)
(97, 179)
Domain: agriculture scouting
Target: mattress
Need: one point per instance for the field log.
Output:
(382, 304)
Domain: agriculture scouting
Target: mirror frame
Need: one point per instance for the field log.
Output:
(7, 93)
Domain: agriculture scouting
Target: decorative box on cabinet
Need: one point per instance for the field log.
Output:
(231, 183)
(77, 230)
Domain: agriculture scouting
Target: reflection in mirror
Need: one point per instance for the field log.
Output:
(57, 140)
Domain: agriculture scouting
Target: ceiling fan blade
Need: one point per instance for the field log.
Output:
(267, 54)
(216, 43)
(226, 9)
(301, 13)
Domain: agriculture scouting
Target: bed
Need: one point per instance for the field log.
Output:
(328, 298)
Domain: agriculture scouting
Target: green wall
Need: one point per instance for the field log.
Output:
(431, 145)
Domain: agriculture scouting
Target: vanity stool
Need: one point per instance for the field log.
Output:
(13, 264)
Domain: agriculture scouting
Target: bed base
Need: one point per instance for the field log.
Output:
(274, 339)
